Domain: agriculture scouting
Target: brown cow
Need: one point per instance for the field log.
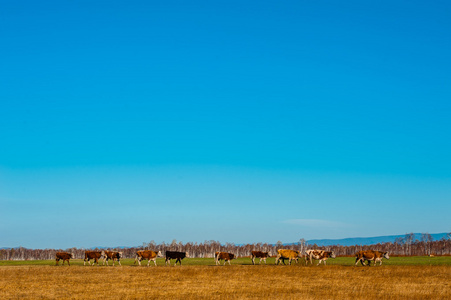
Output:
(227, 257)
(320, 255)
(178, 256)
(259, 254)
(370, 255)
(147, 254)
(64, 256)
(95, 255)
(283, 254)
(283, 259)
(113, 255)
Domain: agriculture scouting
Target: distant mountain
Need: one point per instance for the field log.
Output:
(370, 240)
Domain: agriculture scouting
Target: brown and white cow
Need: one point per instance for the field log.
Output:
(259, 254)
(283, 254)
(63, 256)
(113, 255)
(370, 255)
(95, 255)
(149, 255)
(320, 255)
(227, 257)
(178, 256)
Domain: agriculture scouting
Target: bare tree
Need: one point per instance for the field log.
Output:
(426, 238)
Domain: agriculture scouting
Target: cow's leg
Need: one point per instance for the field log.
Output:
(68, 262)
(155, 261)
(119, 261)
(229, 263)
(253, 260)
(357, 260)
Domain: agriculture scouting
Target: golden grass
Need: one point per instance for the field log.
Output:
(236, 281)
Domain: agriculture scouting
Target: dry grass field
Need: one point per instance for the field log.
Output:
(236, 281)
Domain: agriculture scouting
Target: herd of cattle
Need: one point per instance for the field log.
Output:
(282, 255)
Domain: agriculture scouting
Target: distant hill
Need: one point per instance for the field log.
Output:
(370, 240)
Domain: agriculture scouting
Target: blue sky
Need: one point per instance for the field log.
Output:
(123, 122)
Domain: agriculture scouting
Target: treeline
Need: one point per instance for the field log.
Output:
(402, 246)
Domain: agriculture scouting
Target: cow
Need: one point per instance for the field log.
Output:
(283, 254)
(370, 255)
(320, 255)
(63, 256)
(258, 254)
(113, 255)
(178, 256)
(284, 259)
(149, 255)
(227, 257)
(95, 255)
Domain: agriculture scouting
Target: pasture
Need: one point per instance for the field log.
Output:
(397, 278)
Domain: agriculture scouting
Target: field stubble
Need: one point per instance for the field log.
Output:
(236, 281)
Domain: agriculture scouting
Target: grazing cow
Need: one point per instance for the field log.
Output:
(147, 254)
(95, 255)
(284, 259)
(113, 255)
(283, 254)
(320, 255)
(370, 255)
(63, 256)
(178, 256)
(258, 254)
(227, 257)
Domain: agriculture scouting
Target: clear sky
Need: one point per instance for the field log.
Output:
(123, 122)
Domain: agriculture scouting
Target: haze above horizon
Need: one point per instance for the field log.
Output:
(126, 122)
